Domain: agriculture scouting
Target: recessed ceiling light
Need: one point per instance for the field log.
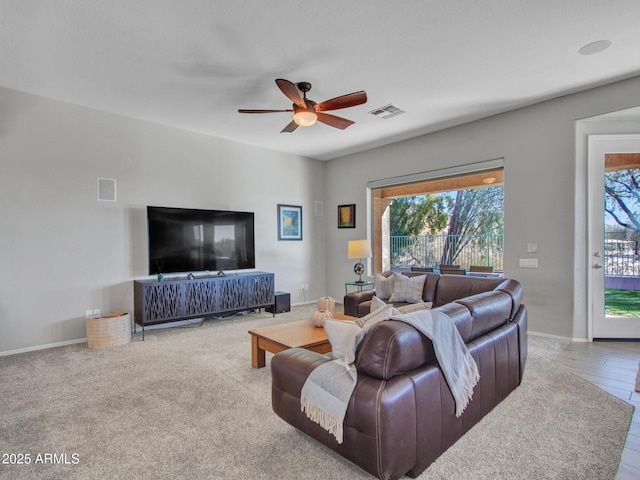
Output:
(595, 47)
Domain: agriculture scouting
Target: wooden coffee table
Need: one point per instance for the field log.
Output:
(301, 334)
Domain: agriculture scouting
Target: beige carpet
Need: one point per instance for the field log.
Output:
(186, 404)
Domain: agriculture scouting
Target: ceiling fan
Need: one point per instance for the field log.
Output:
(306, 112)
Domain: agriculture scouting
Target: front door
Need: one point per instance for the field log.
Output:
(614, 243)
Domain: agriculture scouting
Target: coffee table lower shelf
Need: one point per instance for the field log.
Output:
(300, 334)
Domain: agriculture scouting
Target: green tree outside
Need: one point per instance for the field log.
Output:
(417, 215)
(462, 215)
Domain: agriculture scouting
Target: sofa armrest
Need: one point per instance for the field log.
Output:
(353, 299)
(289, 370)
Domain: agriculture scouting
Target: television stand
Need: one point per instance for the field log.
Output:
(181, 299)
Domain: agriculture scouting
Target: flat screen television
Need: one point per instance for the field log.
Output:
(189, 240)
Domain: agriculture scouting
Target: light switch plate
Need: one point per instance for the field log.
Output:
(532, 247)
(528, 263)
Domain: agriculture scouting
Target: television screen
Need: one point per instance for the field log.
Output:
(185, 240)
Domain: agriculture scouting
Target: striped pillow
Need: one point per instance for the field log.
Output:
(407, 289)
(376, 316)
(383, 286)
(376, 303)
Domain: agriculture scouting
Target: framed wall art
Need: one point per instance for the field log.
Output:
(289, 222)
(347, 216)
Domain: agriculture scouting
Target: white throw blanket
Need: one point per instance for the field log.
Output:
(458, 366)
(326, 393)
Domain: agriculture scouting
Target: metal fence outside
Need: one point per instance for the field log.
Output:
(621, 254)
(428, 250)
(620, 259)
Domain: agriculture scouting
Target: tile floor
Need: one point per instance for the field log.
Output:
(612, 366)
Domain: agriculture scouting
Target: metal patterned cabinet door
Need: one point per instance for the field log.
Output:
(261, 291)
(163, 301)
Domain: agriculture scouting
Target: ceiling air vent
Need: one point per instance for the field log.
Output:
(387, 111)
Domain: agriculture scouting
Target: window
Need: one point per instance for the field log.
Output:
(464, 206)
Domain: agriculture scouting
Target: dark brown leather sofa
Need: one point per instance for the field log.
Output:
(401, 415)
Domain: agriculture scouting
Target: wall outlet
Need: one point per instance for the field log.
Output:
(304, 287)
(88, 313)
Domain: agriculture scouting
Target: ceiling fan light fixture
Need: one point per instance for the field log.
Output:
(305, 118)
(306, 112)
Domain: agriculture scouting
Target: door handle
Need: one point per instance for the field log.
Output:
(597, 265)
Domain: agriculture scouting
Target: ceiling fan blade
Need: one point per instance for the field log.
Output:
(244, 110)
(289, 128)
(344, 101)
(333, 121)
(291, 91)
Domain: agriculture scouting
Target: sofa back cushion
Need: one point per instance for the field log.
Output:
(488, 310)
(514, 289)
(453, 287)
(472, 303)
(393, 347)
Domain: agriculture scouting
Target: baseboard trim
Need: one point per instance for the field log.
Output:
(558, 337)
(43, 347)
(309, 302)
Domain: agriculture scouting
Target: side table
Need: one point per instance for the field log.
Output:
(359, 285)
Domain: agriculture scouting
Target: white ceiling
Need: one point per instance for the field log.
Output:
(191, 64)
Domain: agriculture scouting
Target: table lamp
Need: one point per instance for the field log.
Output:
(359, 249)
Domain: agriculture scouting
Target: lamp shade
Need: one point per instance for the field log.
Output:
(359, 249)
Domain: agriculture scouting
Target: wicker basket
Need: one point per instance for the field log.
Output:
(109, 330)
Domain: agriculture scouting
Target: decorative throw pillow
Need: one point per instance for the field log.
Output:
(376, 303)
(414, 307)
(384, 313)
(383, 286)
(380, 314)
(407, 289)
(344, 338)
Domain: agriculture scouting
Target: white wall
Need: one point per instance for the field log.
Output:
(63, 252)
(538, 144)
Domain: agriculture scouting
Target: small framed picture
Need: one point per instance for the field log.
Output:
(289, 222)
(347, 216)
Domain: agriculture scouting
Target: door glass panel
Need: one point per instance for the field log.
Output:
(621, 237)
